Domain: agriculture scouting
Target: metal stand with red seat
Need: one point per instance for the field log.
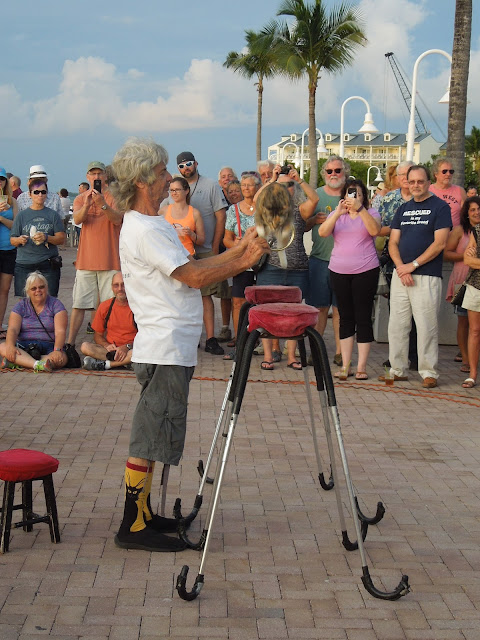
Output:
(26, 466)
(292, 321)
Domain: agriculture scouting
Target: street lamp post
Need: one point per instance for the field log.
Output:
(411, 123)
(320, 149)
(378, 177)
(368, 126)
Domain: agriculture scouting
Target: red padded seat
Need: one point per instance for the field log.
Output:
(18, 465)
(282, 320)
(266, 294)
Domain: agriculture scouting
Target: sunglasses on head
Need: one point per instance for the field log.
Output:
(450, 171)
(189, 163)
(37, 192)
(249, 173)
(329, 171)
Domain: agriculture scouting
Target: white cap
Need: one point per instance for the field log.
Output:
(38, 171)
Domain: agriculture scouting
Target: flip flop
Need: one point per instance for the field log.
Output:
(340, 373)
(468, 383)
(465, 368)
(3, 335)
(296, 366)
(267, 366)
(361, 375)
(276, 355)
(458, 357)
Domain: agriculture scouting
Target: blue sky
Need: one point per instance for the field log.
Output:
(79, 79)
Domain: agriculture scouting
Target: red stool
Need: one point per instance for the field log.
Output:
(25, 466)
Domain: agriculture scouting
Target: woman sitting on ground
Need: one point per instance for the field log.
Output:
(36, 330)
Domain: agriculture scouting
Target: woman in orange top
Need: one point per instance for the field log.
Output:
(186, 220)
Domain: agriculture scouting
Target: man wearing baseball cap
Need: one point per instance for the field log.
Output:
(208, 198)
(52, 201)
(97, 258)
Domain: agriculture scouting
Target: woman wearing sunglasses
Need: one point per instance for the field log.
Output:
(36, 233)
(8, 211)
(186, 220)
(453, 195)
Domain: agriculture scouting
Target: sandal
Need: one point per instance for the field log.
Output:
(468, 383)
(231, 343)
(3, 335)
(361, 375)
(230, 355)
(458, 357)
(465, 368)
(296, 366)
(341, 373)
(276, 355)
(267, 365)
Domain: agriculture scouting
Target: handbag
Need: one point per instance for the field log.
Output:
(382, 286)
(73, 359)
(457, 299)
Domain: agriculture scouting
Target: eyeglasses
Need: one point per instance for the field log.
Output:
(2, 178)
(329, 171)
(40, 287)
(414, 182)
(176, 190)
(450, 171)
(190, 163)
(38, 192)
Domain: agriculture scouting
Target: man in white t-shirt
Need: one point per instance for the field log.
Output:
(162, 283)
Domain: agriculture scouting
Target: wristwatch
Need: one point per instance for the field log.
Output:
(104, 206)
(415, 264)
(129, 346)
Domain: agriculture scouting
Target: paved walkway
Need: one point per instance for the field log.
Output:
(277, 568)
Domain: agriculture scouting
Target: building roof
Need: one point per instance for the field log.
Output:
(356, 139)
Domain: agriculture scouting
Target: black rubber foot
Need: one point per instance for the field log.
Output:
(149, 540)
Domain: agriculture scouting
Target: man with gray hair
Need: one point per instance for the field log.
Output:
(334, 172)
(265, 170)
(225, 176)
(162, 282)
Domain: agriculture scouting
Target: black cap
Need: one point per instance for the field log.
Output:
(185, 156)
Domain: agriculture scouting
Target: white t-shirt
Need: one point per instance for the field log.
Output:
(168, 313)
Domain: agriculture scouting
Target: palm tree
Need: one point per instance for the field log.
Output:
(457, 110)
(472, 147)
(258, 61)
(316, 41)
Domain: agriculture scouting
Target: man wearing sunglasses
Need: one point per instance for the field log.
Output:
(24, 200)
(208, 198)
(453, 195)
(334, 173)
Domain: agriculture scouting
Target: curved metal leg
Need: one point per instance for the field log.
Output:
(403, 587)
(376, 518)
(238, 385)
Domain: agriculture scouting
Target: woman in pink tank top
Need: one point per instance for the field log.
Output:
(186, 220)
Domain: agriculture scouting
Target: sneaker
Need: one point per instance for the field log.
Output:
(212, 346)
(6, 364)
(92, 364)
(42, 365)
(225, 335)
(258, 351)
(338, 359)
(149, 540)
(89, 329)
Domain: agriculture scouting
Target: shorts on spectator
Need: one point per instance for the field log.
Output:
(224, 290)
(244, 279)
(44, 346)
(89, 286)
(160, 419)
(460, 311)
(210, 289)
(286, 277)
(471, 300)
(320, 290)
(7, 261)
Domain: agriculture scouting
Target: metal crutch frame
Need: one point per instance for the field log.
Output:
(320, 360)
(221, 427)
(237, 392)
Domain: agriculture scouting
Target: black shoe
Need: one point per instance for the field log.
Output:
(89, 329)
(163, 525)
(386, 363)
(149, 540)
(212, 346)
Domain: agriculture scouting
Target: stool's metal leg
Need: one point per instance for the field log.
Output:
(223, 419)
(308, 391)
(243, 368)
(320, 353)
(27, 504)
(51, 503)
(6, 522)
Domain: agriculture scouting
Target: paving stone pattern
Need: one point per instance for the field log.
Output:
(276, 567)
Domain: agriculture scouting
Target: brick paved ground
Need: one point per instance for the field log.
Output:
(277, 568)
